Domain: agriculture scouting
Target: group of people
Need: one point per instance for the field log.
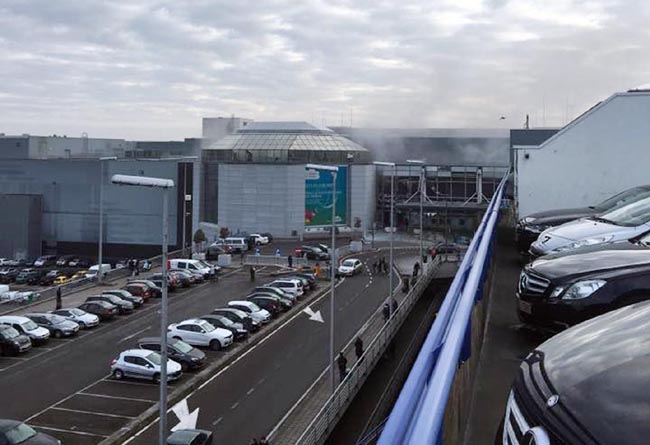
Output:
(380, 266)
(388, 309)
(342, 361)
(261, 441)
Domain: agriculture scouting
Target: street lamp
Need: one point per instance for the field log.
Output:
(334, 171)
(164, 184)
(422, 186)
(392, 223)
(100, 271)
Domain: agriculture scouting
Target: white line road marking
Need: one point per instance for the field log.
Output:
(81, 433)
(134, 334)
(235, 405)
(250, 391)
(104, 396)
(217, 422)
(93, 413)
(122, 382)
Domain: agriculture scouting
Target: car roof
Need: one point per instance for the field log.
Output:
(190, 321)
(13, 318)
(240, 302)
(138, 352)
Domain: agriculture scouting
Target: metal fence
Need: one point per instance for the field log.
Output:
(418, 415)
(328, 416)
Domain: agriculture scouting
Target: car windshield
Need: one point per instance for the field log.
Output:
(630, 215)
(154, 358)
(77, 312)
(29, 325)
(56, 319)
(624, 198)
(254, 307)
(225, 321)
(348, 263)
(207, 327)
(19, 434)
(112, 298)
(9, 333)
(182, 347)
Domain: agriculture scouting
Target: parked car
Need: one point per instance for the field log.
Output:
(13, 342)
(276, 291)
(45, 261)
(103, 309)
(58, 326)
(60, 280)
(290, 286)
(268, 236)
(28, 276)
(49, 277)
(621, 224)
(8, 276)
(350, 267)
(254, 311)
(560, 290)
(143, 364)
(531, 226)
(172, 281)
(79, 275)
(199, 332)
(25, 326)
(125, 295)
(304, 282)
(214, 250)
(80, 262)
(179, 351)
(190, 437)
(193, 266)
(194, 276)
(139, 290)
(154, 290)
(124, 307)
(220, 321)
(311, 253)
(84, 319)
(568, 390)
(268, 302)
(93, 271)
(20, 296)
(311, 279)
(237, 244)
(238, 316)
(13, 432)
(259, 239)
(185, 279)
(64, 260)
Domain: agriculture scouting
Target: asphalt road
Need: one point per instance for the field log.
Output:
(249, 398)
(63, 387)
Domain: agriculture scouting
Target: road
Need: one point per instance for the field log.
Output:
(63, 388)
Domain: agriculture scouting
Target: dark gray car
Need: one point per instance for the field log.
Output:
(13, 432)
(186, 355)
(56, 324)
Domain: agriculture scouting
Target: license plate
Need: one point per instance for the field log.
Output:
(525, 306)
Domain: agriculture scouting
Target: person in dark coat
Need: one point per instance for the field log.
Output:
(342, 363)
(58, 298)
(290, 260)
(405, 286)
(393, 305)
(252, 272)
(386, 312)
(416, 269)
(358, 347)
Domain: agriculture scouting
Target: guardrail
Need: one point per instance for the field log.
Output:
(418, 415)
(323, 423)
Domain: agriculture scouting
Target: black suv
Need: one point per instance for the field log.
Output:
(312, 253)
(179, 351)
(124, 307)
(570, 389)
(13, 342)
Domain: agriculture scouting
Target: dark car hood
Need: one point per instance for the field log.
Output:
(601, 370)
(554, 217)
(197, 353)
(606, 258)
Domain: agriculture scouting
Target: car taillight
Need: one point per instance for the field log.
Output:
(113, 362)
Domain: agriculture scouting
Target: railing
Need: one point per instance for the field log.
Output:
(273, 260)
(328, 416)
(418, 415)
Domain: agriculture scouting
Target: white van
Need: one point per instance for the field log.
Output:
(291, 286)
(24, 325)
(93, 270)
(192, 266)
(238, 244)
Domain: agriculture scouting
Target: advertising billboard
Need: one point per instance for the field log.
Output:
(318, 197)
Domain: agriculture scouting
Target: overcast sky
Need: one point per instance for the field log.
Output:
(147, 69)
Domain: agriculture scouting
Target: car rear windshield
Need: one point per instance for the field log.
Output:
(8, 332)
(19, 434)
(154, 358)
(348, 263)
(182, 347)
(630, 215)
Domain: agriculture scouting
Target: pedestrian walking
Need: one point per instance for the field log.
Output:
(416, 269)
(405, 286)
(257, 251)
(241, 256)
(386, 312)
(358, 348)
(252, 272)
(393, 306)
(342, 363)
(277, 252)
(317, 270)
(385, 267)
(374, 267)
(58, 298)
(290, 260)
(137, 268)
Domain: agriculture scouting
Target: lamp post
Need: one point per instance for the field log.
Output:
(422, 185)
(392, 224)
(334, 171)
(100, 273)
(165, 185)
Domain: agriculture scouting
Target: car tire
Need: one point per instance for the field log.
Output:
(57, 334)
(156, 378)
(215, 345)
(118, 374)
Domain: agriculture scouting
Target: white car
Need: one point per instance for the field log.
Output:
(19, 296)
(197, 332)
(193, 266)
(349, 267)
(259, 239)
(143, 364)
(24, 325)
(618, 225)
(290, 286)
(84, 319)
(254, 311)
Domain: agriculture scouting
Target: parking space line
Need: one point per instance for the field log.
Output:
(134, 334)
(216, 422)
(133, 399)
(234, 405)
(122, 382)
(61, 430)
(93, 413)
(250, 391)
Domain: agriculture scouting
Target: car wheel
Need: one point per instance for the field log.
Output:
(156, 378)
(58, 334)
(215, 345)
(118, 374)
(176, 337)
(82, 325)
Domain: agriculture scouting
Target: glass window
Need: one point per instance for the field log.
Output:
(630, 215)
(19, 434)
(154, 358)
(182, 347)
(29, 326)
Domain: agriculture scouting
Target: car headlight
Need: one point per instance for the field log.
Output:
(582, 289)
(525, 221)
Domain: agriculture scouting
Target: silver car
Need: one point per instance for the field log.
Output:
(143, 364)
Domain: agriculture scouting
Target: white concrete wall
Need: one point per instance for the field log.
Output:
(600, 154)
(362, 195)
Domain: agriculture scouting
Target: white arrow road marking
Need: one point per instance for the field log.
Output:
(316, 316)
(187, 420)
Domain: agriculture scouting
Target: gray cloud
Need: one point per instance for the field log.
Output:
(150, 69)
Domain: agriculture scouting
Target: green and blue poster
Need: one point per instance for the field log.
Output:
(318, 197)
